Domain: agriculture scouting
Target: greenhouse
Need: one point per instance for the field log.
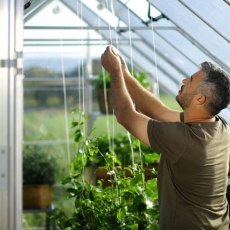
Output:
(53, 122)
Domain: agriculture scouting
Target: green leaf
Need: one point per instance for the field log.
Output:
(74, 124)
(78, 134)
(151, 189)
(151, 158)
(137, 180)
(66, 180)
(131, 227)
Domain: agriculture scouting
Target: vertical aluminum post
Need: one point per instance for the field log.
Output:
(11, 113)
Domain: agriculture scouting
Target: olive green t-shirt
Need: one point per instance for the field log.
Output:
(192, 174)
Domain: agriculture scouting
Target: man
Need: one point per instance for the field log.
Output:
(194, 145)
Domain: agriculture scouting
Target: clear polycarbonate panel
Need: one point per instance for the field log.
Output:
(159, 58)
(101, 9)
(54, 14)
(43, 26)
(215, 13)
(174, 44)
(141, 9)
(190, 56)
(198, 30)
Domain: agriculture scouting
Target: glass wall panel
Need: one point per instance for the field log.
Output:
(214, 14)
(197, 30)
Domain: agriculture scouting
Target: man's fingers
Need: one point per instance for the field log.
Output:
(115, 51)
(110, 50)
(106, 50)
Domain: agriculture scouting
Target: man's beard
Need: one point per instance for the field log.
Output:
(178, 101)
(185, 100)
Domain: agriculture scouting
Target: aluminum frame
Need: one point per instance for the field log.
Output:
(11, 44)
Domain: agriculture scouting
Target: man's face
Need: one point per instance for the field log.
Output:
(189, 89)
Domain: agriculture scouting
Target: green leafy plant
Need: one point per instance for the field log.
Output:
(104, 79)
(38, 166)
(143, 78)
(130, 202)
(123, 146)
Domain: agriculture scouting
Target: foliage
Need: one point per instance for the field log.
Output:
(129, 203)
(123, 147)
(143, 78)
(104, 79)
(38, 166)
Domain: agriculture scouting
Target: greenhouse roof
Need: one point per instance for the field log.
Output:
(166, 38)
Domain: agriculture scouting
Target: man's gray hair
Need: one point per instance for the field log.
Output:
(216, 87)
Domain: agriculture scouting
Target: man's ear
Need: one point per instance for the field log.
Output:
(200, 99)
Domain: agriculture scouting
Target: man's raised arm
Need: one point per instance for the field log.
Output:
(145, 101)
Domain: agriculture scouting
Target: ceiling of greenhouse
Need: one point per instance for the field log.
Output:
(168, 39)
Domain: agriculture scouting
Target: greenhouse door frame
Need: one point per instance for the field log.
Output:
(11, 113)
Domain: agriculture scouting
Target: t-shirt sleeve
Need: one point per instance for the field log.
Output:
(168, 138)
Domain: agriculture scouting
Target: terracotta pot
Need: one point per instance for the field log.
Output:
(148, 171)
(37, 196)
(102, 175)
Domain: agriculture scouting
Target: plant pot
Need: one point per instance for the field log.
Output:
(101, 100)
(103, 176)
(37, 196)
(90, 174)
(148, 170)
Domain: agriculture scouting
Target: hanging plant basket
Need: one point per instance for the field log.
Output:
(103, 175)
(102, 102)
(120, 198)
(37, 196)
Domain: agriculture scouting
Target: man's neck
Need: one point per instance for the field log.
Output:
(188, 117)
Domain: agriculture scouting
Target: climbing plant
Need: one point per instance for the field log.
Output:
(129, 202)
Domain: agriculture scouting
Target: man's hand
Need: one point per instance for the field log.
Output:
(124, 67)
(110, 60)
(123, 64)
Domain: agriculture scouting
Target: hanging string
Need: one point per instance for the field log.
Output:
(130, 43)
(110, 31)
(83, 72)
(132, 72)
(65, 104)
(111, 143)
(113, 117)
(105, 98)
(116, 45)
(81, 83)
(115, 27)
(156, 84)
